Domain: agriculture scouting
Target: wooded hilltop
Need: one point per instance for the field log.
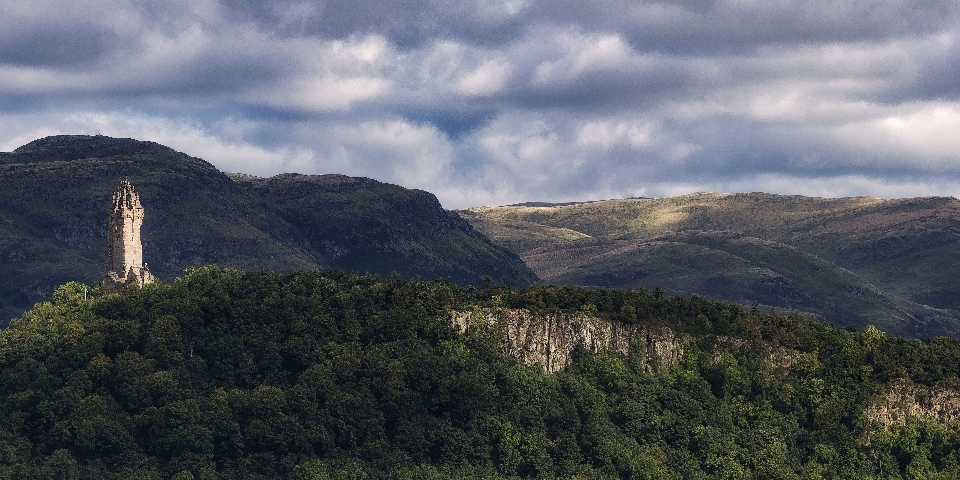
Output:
(228, 374)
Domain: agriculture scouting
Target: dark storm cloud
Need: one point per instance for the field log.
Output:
(707, 26)
(53, 45)
(454, 121)
(684, 26)
(607, 90)
(407, 23)
(936, 75)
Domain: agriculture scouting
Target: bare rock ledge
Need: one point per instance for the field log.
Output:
(549, 339)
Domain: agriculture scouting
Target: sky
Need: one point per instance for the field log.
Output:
(505, 101)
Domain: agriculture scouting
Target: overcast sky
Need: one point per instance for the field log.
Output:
(498, 102)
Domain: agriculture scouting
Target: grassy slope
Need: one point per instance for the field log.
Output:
(852, 260)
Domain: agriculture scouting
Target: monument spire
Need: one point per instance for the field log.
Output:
(124, 250)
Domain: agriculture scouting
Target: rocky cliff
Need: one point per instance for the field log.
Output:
(549, 339)
(902, 399)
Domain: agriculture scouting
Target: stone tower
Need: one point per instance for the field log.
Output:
(125, 252)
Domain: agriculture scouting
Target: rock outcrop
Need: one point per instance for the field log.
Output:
(903, 399)
(549, 339)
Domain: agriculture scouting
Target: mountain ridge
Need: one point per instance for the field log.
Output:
(852, 261)
(746, 247)
(53, 221)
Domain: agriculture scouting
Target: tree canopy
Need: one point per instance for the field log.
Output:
(229, 374)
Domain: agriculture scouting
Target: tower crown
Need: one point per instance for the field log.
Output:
(126, 198)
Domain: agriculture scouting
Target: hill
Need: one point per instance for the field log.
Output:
(228, 374)
(852, 261)
(56, 192)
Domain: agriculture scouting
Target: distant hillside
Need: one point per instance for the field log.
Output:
(852, 261)
(56, 191)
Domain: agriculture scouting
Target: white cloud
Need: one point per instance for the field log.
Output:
(395, 151)
(332, 76)
(581, 53)
(924, 136)
(489, 78)
(322, 93)
(609, 134)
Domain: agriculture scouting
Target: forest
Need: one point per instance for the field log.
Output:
(312, 375)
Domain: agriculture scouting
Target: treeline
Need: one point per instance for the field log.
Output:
(227, 374)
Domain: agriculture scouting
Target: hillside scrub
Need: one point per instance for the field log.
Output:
(229, 374)
(852, 261)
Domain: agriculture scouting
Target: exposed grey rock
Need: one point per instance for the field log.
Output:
(549, 339)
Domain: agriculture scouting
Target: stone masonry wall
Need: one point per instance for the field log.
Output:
(124, 249)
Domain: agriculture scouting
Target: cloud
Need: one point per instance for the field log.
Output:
(183, 136)
(406, 24)
(416, 156)
(502, 101)
(922, 137)
(333, 76)
(705, 27)
(38, 35)
(486, 80)
(608, 135)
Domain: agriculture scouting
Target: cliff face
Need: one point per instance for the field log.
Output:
(549, 340)
(903, 399)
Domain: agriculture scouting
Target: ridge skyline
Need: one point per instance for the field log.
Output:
(522, 203)
(742, 248)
